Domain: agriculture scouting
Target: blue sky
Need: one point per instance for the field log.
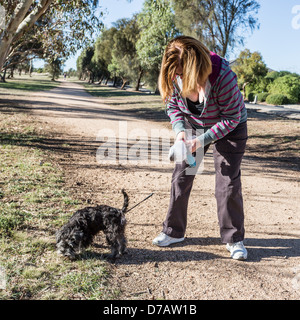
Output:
(277, 39)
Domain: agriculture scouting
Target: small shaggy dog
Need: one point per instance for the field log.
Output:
(78, 233)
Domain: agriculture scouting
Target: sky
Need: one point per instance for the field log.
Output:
(277, 39)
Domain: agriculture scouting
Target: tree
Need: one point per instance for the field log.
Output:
(249, 68)
(219, 24)
(72, 23)
(103, 52)
(157, 27)
(85, 65)
(125, 62)
(54, 67)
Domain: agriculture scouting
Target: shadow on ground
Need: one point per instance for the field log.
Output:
(258, 249)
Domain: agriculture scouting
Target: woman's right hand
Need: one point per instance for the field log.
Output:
(181, 136)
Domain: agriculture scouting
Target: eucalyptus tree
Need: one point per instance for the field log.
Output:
(157, 27)
(220, 24)
(61, 27)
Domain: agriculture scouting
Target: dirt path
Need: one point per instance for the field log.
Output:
(200, 267)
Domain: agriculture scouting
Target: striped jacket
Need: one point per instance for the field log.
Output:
(223, 109)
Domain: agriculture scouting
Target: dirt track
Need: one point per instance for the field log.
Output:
(200, 267)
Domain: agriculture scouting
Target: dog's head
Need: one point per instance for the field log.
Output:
(68, 242)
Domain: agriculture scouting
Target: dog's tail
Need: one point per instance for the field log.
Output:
(126, 201)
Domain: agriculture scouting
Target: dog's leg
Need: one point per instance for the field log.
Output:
(114, 245)
(122, 244)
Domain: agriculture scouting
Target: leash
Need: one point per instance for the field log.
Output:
(150, 195)
(174, 179)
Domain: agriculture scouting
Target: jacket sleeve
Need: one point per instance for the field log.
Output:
(230, 103)
(175, 115)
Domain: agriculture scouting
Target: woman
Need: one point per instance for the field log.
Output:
(201, 92)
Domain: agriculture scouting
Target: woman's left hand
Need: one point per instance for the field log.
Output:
(193, 145)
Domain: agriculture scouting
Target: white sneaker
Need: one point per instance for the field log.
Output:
(237, 250)
(163, 240)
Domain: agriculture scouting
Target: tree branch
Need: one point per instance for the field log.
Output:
(30, 20)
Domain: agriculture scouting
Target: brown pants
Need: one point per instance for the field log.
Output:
(227, 153)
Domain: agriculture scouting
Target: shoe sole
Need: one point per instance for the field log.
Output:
(242, 258)
(239, 258)
(167, 244)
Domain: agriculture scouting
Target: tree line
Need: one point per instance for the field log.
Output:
(131, 50)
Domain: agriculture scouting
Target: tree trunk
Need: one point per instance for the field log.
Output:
(101, 79)
(137, 87)
(30, 67)
(2, 77)
(124, 84)
(114, 82)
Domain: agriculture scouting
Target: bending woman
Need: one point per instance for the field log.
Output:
(201, 92)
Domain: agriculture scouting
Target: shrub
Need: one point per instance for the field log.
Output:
(261, 97)
(287, 85)
(277, 99)
(251, 96)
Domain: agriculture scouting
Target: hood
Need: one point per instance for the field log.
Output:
(216, 67)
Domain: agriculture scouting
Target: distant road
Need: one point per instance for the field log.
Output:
(287, 111)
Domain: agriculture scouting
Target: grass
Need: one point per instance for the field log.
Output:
(33, 204)
(34, 201)
(19, 84)
(137, 104)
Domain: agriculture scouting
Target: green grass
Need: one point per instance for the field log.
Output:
(107, 92)
(34, 203)
(118, 95)
(136, 104)
(19, 84)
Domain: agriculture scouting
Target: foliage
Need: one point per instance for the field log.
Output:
(250, 69)
(261, 97)
(125, 62)
(54, 67)
(219, 24)
(250, 96)
(277, 99)
(85, 65)
(47, 28)
(287, 85)
(103, 51)
(157, 27)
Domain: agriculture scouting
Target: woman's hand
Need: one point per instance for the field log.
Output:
(180, 136)
(193, 145)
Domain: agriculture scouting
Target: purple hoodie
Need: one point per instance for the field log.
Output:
(224, 106)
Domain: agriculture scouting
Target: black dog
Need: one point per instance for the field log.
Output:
(85, 223)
